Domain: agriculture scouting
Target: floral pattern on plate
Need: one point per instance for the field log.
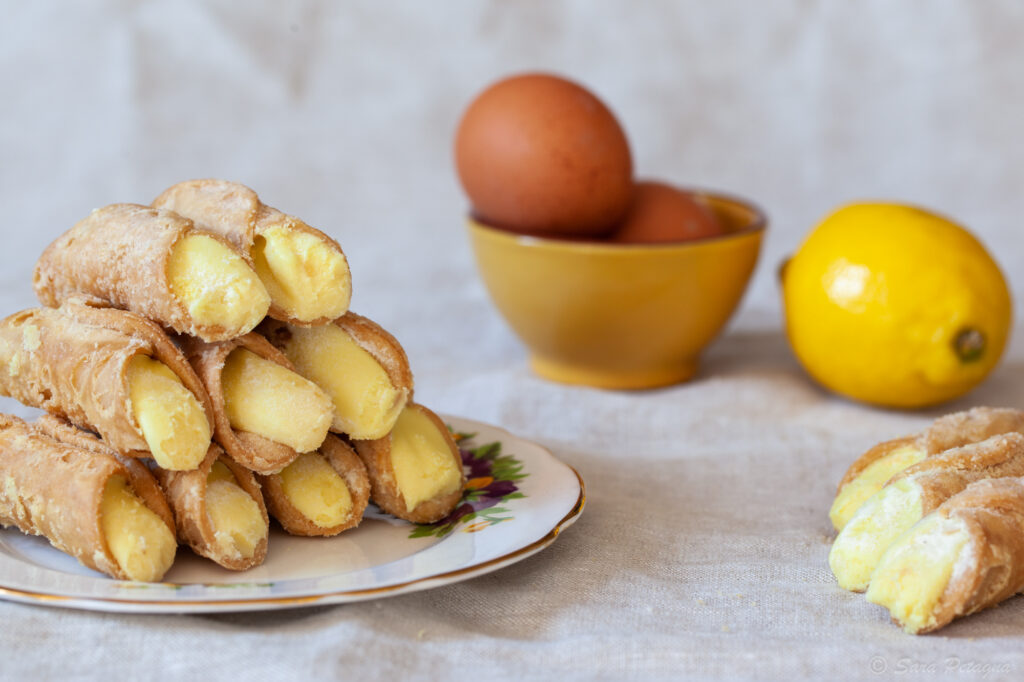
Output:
(492, 478)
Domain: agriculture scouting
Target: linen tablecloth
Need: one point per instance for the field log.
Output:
(702, 551)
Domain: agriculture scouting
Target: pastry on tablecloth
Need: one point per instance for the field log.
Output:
(965, 556)
(874, 468)
(911, 495)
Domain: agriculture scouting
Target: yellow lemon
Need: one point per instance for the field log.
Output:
(896, 306)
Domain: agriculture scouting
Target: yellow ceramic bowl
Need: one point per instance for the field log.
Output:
(620, 316)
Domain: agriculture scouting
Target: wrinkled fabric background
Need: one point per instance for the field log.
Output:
(702, 551)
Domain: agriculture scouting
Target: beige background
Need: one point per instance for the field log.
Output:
(702, 550)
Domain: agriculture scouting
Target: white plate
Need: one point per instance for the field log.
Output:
(535, 497)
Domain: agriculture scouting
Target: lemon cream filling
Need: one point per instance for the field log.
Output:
(914, 572)
(169, 417)
(305, 276)
(264, 398)
(366, 402)
(140, 541)
(237, 522)
(422, 459)
(316, 490)
(872, 529)
(216, 286)
(870, 481)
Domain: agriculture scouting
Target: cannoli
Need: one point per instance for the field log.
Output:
(876, 466)
(321, 493)
(265, 414)
(416, 470)
(911, 495)
(966, 556)
(157, 264)
(65, 485)
(112, 372)
(219, 511)
(304, 270)
(362, 367)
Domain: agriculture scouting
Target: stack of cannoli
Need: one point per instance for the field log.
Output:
(202, 374)
(931, 525)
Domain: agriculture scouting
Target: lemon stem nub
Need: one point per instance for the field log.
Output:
(780, 272)
(969, 345)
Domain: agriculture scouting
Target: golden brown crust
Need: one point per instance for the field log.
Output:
(991, 567)
(226, 208)
(186, 493)
(342, 459)
(54, 488)
(944, 475)
(949, 431)
(251, 450)
(384, 491)
(72, 361)
(141, 480)
(971, 426)
(383, 347)
(873, 455)
(119, 254)
(234, 211)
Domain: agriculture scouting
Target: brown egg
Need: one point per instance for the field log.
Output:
(661, 213)
(537, 153)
